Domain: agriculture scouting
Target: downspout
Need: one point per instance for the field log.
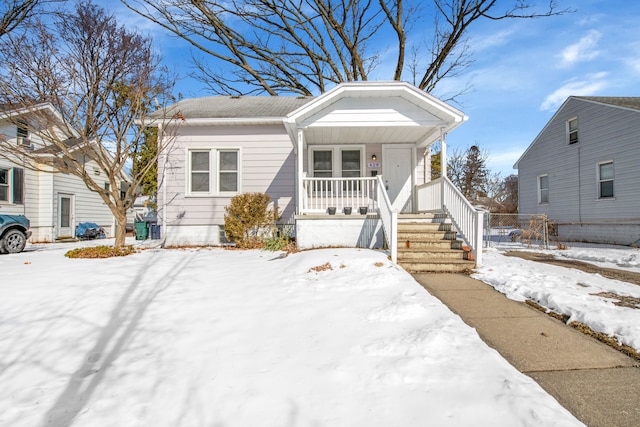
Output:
(163, 219)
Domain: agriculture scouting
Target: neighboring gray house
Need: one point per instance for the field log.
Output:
(361, 144)
(583, 170)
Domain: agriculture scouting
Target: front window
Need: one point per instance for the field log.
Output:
(322, 164)
(4, 185)
(605, 180)
(572, 131)
(200, 175)
(543, 189)
(350, 168)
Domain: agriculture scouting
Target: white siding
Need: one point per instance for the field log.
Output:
(89, 206)
(604, 133)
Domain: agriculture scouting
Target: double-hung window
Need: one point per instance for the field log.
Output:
(336, 162)
(4, 185)
(322, 164)
(228, 169)
(572, 131)
(12, 185)
(200, 171)
(213, 172)
(605, 180)
(22, 132)
(350, 168)
(543, 189)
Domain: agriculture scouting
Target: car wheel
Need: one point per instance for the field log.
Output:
(13, 241)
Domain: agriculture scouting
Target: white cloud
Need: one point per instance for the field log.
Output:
(492, 40)
(591, 84)
(503, 161)
(581, 51)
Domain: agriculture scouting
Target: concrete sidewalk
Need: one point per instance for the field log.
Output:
(596, 383)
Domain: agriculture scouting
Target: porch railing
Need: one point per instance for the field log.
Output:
(320, 194)
(389, 218)
(442, 194)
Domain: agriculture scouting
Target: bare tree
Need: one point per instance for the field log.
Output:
(14, 13)
(307, 46)
(100, 80)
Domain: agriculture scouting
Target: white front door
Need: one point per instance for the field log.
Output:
(66, 214)
(397, 172)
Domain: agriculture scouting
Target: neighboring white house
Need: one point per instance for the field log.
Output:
(361, 144)
(54, 202)
(583, 170)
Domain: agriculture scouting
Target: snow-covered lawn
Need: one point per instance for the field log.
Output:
(570, 291)
(209, 337)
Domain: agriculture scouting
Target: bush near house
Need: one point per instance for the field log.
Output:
(248, 220)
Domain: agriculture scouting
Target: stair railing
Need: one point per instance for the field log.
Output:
(442, 194)
(389, 218)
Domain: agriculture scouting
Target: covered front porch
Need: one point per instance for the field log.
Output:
(363, 158)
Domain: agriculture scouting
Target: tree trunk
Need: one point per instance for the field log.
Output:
(121, 227)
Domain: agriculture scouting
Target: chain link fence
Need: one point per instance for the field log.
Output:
(529, 230)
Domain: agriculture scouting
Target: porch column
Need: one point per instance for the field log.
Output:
(300, 171)
(443, 152)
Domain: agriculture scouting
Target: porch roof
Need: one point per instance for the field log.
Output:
(373, 112)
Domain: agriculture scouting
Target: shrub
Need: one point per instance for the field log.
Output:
(248, 218)
(100, 252)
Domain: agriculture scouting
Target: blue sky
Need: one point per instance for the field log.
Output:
(523, 70)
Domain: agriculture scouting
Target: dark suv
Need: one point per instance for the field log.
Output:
(14, 232)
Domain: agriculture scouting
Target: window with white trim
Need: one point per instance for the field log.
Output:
(12, 185)
(572, 131)
(22, 131)
(336, 162)
(213, 172)
(322, 163)
(199, 171)
(543, 189)
(605, 180)
(4, 185)
(228, 171)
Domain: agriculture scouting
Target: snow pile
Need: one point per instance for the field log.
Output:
(570, 291)
(245, 338)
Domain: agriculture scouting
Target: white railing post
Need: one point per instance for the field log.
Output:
(389, 219)
(477, 252)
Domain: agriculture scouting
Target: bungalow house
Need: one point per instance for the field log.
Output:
(54, 202)
(360, 145)
(582, 170)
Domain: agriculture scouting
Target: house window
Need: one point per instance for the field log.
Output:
(228, 169)
(605, 180)
(12, 185)
(336, 162)
(4, 185)
(350, 168)
(543, 189)
(199, 171)
(212, 172)
(322, 164)
(572, 131)
(22, 129)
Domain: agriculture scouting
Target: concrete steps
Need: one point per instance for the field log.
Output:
(428, 243)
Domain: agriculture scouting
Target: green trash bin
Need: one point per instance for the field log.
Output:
(142, 232)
